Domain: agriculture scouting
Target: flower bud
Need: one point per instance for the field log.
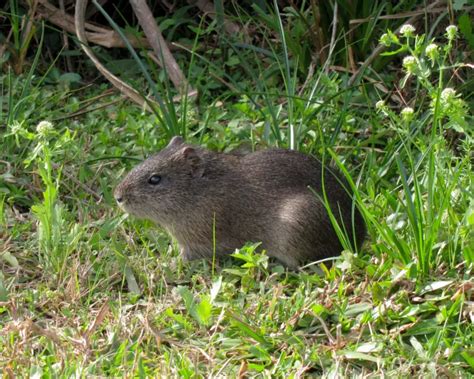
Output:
(380, 105)
(44, 128)
(410, 64)
(432, 51)
(385, 40)
(407, 30)
(448, 94)
(451, 32)
(407, 114)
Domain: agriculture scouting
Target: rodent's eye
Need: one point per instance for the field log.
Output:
(154, 179)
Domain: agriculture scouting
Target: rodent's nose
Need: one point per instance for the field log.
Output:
(118, 195)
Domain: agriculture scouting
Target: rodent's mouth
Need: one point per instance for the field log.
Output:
(122, 206)
(136, 211)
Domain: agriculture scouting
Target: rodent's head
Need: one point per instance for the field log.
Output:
(162, 186)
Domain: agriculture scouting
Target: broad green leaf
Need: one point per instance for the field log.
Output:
(370, 347)
(10, 259)
(203, 310)
(216, 287)
(355, 309)
(469, 357)
(436, 286)
(131, 281)
(3, 289)
(418, 347)
(459, 4)
(360, 356)
(247, 329)
(70, 77)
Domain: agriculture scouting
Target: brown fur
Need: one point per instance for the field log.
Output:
(266, 196)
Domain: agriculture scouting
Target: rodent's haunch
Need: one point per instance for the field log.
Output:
(267, 196)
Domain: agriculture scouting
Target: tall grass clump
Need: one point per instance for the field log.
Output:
(427, 223)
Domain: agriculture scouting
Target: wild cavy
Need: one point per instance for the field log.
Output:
(266, 196)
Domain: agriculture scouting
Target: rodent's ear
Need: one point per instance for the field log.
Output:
(176, 141)
(193, 160)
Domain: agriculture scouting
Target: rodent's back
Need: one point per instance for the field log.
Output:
(285, 168)
(288, 171)
(286, 174)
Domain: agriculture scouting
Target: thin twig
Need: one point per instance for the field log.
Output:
(119, 84)
(98, 35)
(158, 44)
(65, 39)
(332, 44)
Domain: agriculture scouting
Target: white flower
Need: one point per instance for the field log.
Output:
(44, 127)
(407, 30)
(448, 94)
(431, 48)
(451, 32)
(432, 51)
(407, 113)
(450, 102)
(410, 64)
(385, 40)
(381, 107)
(409, 60)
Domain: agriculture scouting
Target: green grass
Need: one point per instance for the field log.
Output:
(85, 290)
